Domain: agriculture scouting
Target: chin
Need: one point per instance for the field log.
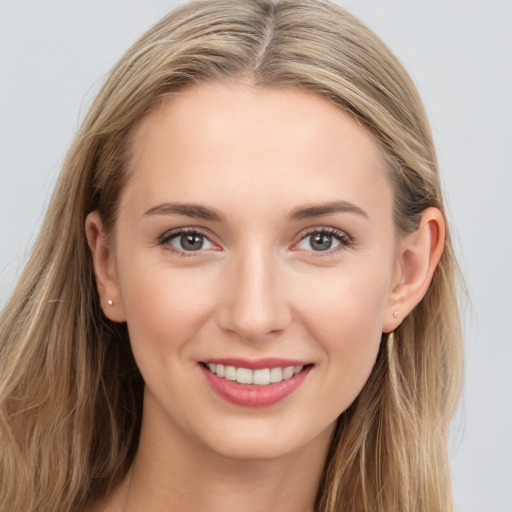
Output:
(264, 442)
(254, 451)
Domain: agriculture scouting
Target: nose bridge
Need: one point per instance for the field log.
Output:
(254, 305)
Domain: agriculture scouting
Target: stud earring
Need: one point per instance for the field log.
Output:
(395, 314)
(110, 302)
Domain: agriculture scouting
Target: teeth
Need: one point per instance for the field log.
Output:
(276, 374)
(261, 377)
(244, 376)
(230, 373)
(287, 372)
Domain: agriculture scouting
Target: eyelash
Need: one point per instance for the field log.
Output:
(345, 241)
(165, 240)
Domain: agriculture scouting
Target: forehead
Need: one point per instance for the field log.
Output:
(217, 140)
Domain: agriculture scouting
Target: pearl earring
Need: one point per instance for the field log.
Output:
(110, 302)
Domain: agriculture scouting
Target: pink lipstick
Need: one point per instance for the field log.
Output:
(254, 383)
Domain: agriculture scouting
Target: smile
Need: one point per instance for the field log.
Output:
(260, 377)
(268, 381)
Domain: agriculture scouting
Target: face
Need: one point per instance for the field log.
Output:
(254, 242)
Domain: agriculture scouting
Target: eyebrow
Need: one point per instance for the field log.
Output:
(318, 210)
(307, 212)
(189, 210)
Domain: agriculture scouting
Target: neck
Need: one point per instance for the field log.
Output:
(170, 474)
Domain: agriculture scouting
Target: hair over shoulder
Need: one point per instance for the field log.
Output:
(70, 392)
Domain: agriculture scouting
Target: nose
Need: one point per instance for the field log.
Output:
(253, 304)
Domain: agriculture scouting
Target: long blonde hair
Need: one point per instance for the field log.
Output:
(70, 392)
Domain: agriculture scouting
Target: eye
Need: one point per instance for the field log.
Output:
(187, 241)
(323, 240)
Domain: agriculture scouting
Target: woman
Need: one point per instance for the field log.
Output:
(243, 294)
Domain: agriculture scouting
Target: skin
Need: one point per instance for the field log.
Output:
(256, 289)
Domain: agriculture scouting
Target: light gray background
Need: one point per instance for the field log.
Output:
(54, 55)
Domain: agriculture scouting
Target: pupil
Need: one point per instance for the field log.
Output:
(191, 242)
(321, 242)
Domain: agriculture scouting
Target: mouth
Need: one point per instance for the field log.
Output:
(258, 377)
(265, 384)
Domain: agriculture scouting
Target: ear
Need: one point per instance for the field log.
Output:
(105, 272)
(419, 254)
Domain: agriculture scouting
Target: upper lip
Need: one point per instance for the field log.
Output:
(256, 364)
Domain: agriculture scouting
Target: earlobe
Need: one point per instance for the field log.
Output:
(104, 268)
(419, 255)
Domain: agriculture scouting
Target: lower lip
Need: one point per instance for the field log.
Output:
(252, 395)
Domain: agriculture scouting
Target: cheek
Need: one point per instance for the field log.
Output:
(164, 307)
(349, 305)
(345, 319)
